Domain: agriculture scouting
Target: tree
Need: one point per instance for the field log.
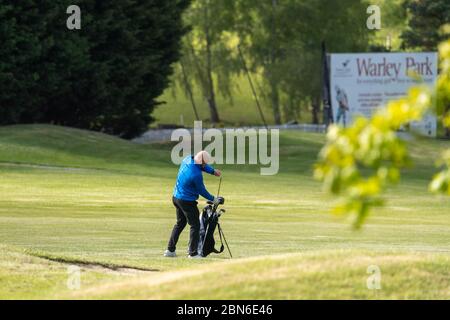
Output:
(104, 77)
(208, 58)
(426, 17)
(20, 53)
(425, 28)
(283, 41)
(260, 36)
(393, 24)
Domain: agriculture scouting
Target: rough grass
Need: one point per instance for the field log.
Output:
(75, 196)
(338, 274)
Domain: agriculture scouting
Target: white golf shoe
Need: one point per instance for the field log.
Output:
(169, 254)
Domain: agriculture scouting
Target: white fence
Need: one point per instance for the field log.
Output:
(164, 135)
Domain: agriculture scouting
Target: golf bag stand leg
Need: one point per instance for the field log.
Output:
(225, 240)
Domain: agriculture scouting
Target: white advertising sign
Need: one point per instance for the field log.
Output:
(362, 82)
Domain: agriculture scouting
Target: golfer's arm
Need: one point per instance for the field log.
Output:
(208, 169)
(202, 190)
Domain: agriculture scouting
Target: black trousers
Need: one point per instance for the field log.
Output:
(187, 212)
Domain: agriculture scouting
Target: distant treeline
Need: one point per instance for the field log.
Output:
(105, 76)
(281, 44)
(108, 74)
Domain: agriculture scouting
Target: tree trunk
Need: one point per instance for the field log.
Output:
(211, 94)
(315, 110)
(274, 95)
(275, 101)
(210, 80)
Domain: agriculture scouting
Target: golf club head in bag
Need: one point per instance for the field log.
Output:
(209, 221)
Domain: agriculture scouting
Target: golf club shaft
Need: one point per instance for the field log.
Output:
(220, 183)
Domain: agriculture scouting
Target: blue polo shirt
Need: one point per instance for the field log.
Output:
(190, 184)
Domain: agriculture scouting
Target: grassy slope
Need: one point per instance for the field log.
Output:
(242, 107)
(241, 110)
(103, 200)
(23, 276)
(313, 275)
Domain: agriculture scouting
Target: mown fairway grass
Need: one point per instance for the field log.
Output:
(73, 197)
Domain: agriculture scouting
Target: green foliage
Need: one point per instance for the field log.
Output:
(208, 58)
(441, 182)
(443, 97)
(213, 25)
(358, 163)
(426, 18)
(103, 77)
(393, 23)
(283, 42)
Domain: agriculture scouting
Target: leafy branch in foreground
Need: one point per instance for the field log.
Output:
(441, 182)
(358, 163)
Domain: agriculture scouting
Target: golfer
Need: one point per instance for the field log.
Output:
(342, 99)
(188, 188)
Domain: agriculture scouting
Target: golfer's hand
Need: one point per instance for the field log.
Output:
(217, 173)
(219, 200)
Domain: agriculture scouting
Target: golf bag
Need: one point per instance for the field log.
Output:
(209, 221)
